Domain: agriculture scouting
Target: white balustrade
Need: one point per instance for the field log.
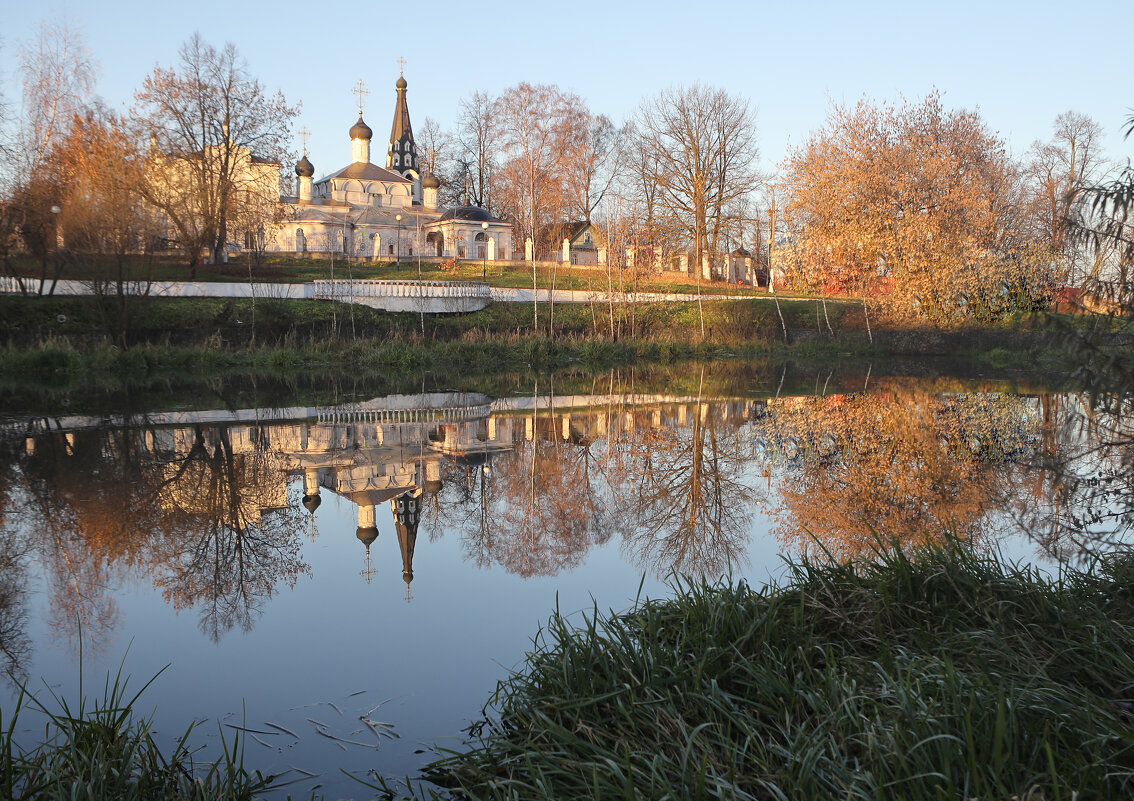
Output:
(338, 289)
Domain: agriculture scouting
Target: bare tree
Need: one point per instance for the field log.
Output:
(695, 150)
(434, 146)
(535, 124)
(1058, 171)
(592, 163)
(218, 139)
(474, 168)
(58, 76)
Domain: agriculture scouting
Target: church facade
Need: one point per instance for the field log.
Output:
(372, 212)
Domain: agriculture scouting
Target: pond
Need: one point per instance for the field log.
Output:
(347, 581)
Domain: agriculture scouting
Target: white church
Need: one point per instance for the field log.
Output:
(386, 213)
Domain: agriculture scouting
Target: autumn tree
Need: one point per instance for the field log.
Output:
(218, 139)
(918, 193)
(102, 218)
(694, 152)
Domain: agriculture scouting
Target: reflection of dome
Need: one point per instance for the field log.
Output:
(407, 576)
(367, 534)
(430, 181)
(304, 168)
(311, 502)
(470, 213)
(360, 130)
(433, 485)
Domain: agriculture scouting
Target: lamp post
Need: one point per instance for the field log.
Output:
(398, 254)
(484, 253)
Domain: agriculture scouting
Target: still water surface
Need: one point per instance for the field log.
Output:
(350, 581)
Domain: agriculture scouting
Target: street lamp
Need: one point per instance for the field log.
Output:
(484, 253)
(398, 255)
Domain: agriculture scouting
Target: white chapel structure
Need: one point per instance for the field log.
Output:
(367, 211)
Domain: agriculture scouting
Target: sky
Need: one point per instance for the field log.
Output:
(1020, 63)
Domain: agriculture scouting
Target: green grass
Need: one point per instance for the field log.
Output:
(101, 750)
(945, 674)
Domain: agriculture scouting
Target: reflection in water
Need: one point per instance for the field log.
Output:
(228, 533)
(213, 509)
(1084, 476)
(903, 467)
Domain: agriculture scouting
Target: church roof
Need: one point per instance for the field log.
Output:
(366, 171)
(471, 213)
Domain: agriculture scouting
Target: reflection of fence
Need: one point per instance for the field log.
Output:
(339, 290)
(9, 285)
(449, 414)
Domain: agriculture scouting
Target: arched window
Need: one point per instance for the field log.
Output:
(395, 159)
(482, 237)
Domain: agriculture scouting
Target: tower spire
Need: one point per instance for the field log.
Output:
(402, 154)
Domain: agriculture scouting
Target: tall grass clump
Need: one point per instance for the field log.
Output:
(942, 675)
(100, 750)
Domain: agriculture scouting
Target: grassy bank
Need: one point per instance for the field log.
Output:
(945, 675)
(44, 335)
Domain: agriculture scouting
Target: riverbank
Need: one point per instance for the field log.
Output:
(47, 335)
(941, 674)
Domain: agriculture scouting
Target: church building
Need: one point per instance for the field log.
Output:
(370, 212)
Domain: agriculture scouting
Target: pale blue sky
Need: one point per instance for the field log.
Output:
(1021, 63)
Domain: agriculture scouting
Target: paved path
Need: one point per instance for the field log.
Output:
(231, 289)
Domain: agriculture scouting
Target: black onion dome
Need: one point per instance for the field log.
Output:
(470, 213)
(367, 534)
(430, 181)
(311, 503)
(360, 130)
(401, 84)
(304, 168)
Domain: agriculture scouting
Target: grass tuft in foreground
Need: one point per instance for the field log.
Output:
(101, 750)
(941, 675)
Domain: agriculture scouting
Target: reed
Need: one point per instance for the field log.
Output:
(945, 674)
(101, 749)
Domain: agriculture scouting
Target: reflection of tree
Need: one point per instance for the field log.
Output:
(688, 504)
(545, 514)
(891, 468)
(89, 509)
(15, 648)
(535, 511)
(228, 537)
(1083, 500)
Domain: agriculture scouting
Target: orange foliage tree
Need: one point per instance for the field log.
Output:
(921, 194)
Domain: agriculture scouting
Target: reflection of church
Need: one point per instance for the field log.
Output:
(389, 212)
(388, 451)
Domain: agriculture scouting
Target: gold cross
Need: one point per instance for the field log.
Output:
(401, 66)
(361, 93)
(304, 134)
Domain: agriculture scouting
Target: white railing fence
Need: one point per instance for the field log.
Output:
(325, 288)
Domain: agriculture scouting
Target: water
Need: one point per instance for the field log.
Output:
(348, 581)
